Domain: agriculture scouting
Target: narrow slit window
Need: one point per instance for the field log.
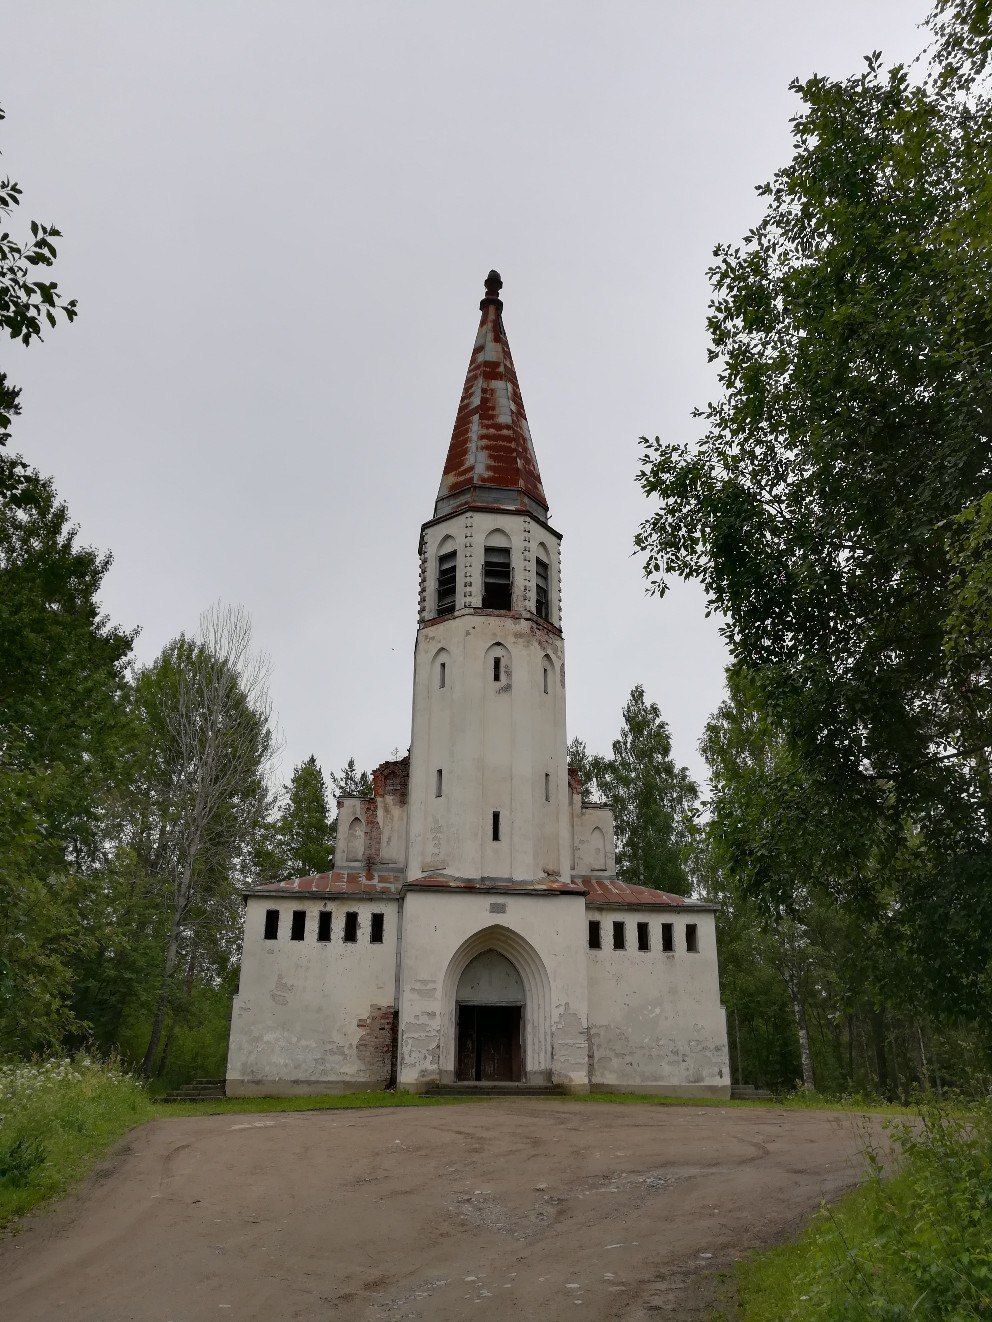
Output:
(619, 936)
(376, 928)
(298, 930)
(497, 668)
(643, 936)
(547, 787)
(692, 938)
(497, 579)
(324, 925)
(272, 924)
(496, 825)
(595, 934)
(546, 685)
(438, 783)
(668, 937)
(351, 925)
(447, 573)
(441, 675)
(541, 581)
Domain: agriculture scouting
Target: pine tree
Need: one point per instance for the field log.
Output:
(306, 831)
(654, 801)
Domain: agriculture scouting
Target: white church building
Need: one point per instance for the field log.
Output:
(473, 931)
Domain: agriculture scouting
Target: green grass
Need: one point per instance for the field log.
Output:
(56, 1120)
(324, 1102)
(346, 1101)
(918, 1245)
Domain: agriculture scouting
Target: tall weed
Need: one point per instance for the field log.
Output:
(918, 1245)
(56, 1118)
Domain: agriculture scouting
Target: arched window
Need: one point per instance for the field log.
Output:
(441, 669)
(447, 574)
(597, 850)
(497, 572)
(355, 847)
(542, 582)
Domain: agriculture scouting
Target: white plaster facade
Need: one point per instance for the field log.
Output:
(460, 944)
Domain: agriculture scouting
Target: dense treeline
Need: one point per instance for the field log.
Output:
(136, 804)
(837, 511)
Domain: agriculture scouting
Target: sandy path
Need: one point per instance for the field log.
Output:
(538, 1208)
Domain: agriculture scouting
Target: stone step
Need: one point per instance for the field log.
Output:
(197, 1092)
(494, 1090)
(747, 1092)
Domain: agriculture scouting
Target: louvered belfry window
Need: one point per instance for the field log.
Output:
(541, 583)
(497, 578)
(447, 570)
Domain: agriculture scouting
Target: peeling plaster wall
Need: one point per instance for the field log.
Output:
(540, 934)
(384, 829)
(655, 1019)
(587, 817)
(494, 742)
(313, 1016)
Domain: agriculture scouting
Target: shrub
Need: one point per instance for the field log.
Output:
(918, 1245)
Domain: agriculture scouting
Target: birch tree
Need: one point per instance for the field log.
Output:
(210, 749)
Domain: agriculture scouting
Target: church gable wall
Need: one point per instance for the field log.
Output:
(655, 1019)
(540, 935)
(314, 1016)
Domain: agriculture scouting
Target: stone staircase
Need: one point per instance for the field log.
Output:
(747, 1092)
(495, 1090)
(200, 1090)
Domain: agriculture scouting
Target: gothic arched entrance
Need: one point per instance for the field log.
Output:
(489, 1015)
(496, 1024)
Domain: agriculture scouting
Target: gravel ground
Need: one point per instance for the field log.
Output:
(534, 1207)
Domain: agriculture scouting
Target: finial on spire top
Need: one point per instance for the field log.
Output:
(494, 284)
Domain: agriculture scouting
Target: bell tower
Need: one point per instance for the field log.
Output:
(488, 766)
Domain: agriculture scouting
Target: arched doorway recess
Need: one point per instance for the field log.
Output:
(510, 976)
(489, 1015)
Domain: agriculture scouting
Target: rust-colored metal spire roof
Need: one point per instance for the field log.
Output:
(491, 458)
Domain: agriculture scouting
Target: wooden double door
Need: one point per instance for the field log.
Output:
(489, 1048)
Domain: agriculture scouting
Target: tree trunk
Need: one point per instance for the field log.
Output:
(881, 1061)
(924, 1069)
(809, 1083)
(163, 997)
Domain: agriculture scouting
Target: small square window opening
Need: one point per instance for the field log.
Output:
(619, 936)
(692, 938)
(324, 925)
(376, 928)
(272, 924)
(668, 937)
(643, 936)
(496, 825)
(351, 925)
(299, 928)
(595, 934)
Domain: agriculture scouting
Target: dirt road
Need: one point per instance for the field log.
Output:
(525, 1208)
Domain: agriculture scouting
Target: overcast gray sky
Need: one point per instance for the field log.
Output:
(278, 218)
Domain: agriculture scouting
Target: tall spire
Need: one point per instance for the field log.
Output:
(491, 458)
